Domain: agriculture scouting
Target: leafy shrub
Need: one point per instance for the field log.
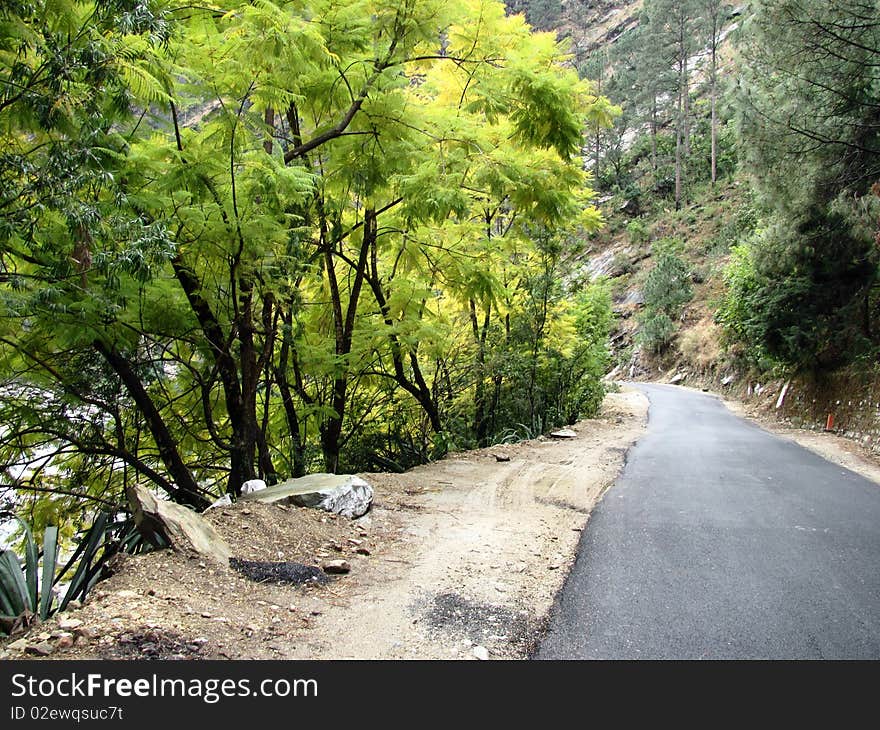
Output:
(637, 232)
(796, 293)
(668, 288)
(656, 331)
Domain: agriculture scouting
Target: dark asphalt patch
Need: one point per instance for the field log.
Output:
(481, 623)
(286, 573)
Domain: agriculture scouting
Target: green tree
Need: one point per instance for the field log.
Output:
(808, 111)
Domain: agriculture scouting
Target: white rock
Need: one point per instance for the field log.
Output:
(481, 653)
(68, 624)
(564, 433)
(224, 501)
(342, 494)
(253, 485)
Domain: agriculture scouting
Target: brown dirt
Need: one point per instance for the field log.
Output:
(463, 552)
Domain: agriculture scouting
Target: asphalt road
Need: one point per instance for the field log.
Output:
(722, 541)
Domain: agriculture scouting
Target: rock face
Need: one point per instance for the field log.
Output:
(342, 494)
(182, 528)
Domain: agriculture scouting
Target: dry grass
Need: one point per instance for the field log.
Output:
(700, 345)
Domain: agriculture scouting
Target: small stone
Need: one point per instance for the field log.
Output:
(126, 594)
(84, 632)
(502, 457)
(44, 648)
(19, 645)
(246, 512)
(64, 642)
(339, 567)
(563, 433)
(363, 551)
(206, 614)
(481, 653)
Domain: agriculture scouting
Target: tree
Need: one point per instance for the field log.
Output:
(809, 109)
(714, 13)
(675, 23)
(226, 264)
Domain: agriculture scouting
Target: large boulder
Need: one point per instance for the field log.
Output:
(177, 525)
(342, 494)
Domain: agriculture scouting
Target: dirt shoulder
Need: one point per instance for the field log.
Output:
(458, 559)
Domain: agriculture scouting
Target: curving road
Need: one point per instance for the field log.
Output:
(722, 541)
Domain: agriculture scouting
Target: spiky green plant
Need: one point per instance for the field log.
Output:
(20, 580)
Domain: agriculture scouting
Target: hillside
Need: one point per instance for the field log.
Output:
(807, 336)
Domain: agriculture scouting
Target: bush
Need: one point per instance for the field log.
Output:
(667, 288)
(637, 232)
(656, 332)
(26, 586)
(796, 293)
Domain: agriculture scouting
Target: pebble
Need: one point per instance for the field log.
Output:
(19, 645)
(44, 648)
(336, 566)
(481, 653)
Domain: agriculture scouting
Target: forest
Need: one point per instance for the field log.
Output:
(754, 129)
(263, 239)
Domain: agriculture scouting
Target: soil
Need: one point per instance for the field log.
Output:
(456, 559)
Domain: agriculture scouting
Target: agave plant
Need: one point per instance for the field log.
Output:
(20, 586)
(21, 582)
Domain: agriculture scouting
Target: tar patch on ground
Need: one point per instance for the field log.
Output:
(287, 573)
(482, 623)
(153, 644)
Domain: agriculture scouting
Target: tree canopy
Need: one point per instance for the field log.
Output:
(253, 239)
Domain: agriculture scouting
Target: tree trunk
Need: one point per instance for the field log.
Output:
(186, 490)
(419, 388)
(481, 423)
(331, 429)
(714, 81)
(654, 133)
(293, 424)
